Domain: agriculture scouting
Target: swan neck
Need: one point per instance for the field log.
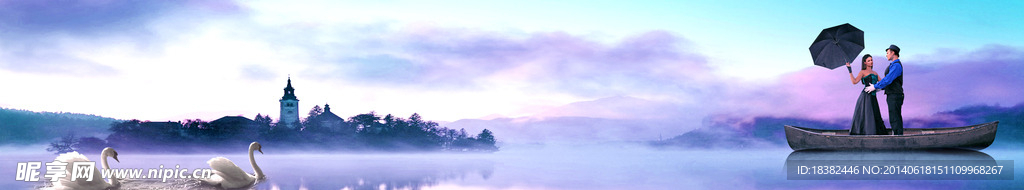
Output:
(256, 168)
(103, 160)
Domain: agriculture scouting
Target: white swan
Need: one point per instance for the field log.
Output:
(229, 176)
(81, 183)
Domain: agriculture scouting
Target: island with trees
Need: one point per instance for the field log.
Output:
(321, 130)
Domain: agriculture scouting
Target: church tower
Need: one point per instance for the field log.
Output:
(289, 106)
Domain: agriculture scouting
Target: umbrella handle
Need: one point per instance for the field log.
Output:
(849, 69)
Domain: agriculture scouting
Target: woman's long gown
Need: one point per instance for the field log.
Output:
(867, 119)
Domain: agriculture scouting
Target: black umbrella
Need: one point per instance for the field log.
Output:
(837, 45)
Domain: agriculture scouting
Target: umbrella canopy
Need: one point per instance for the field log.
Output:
(837, 45)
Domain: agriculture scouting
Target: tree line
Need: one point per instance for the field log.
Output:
(318, 131)
(23, 127)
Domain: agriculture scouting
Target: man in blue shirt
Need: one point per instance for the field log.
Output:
(892, 83)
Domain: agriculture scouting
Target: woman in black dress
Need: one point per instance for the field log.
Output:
(867, 119)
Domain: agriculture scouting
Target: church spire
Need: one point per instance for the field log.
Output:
(289, 85)
(289, 107)
(289, 92)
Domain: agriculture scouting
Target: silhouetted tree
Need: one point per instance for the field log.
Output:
(124, 133)
(263, 120)
(65, 144)
(194, 130)
(366, 123)
(485, 137)
(448, 136)
(90, 144)
(23, 127)
(264, 124)
(374, 133)
(485, 141)
(281, 135)
(316, 111)
(389, 124)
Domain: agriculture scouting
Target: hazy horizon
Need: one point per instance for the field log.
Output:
(186, 60)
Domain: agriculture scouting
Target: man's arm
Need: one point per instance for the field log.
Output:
(894, 71)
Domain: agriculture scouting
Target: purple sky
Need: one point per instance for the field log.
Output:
(933, 82)
(175, 60)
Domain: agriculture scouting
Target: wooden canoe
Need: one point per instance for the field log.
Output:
(974, 137)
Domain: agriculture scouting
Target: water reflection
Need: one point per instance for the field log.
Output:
(574, 167)
(889, 156)
(931, 154)
(375, 172)
(334, 171)
(932, 164)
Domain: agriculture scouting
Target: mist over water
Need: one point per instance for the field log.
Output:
(551, 166)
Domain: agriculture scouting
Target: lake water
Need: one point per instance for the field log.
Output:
(615, 166)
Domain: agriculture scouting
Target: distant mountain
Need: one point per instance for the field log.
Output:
(726, 132)
(570, 129)
(619, 118)
(27, 127)
(617, 107)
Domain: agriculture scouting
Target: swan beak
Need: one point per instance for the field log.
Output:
(261, 150)
(115, 159)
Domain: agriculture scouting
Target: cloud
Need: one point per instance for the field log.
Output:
(638, 81)
(932, 83)
(437, 57)
(933, 86)
(42, 18)
(94, 17)
(650, 81)
(46, 62)
(990, 75)
(258, 72)
(50, 36)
